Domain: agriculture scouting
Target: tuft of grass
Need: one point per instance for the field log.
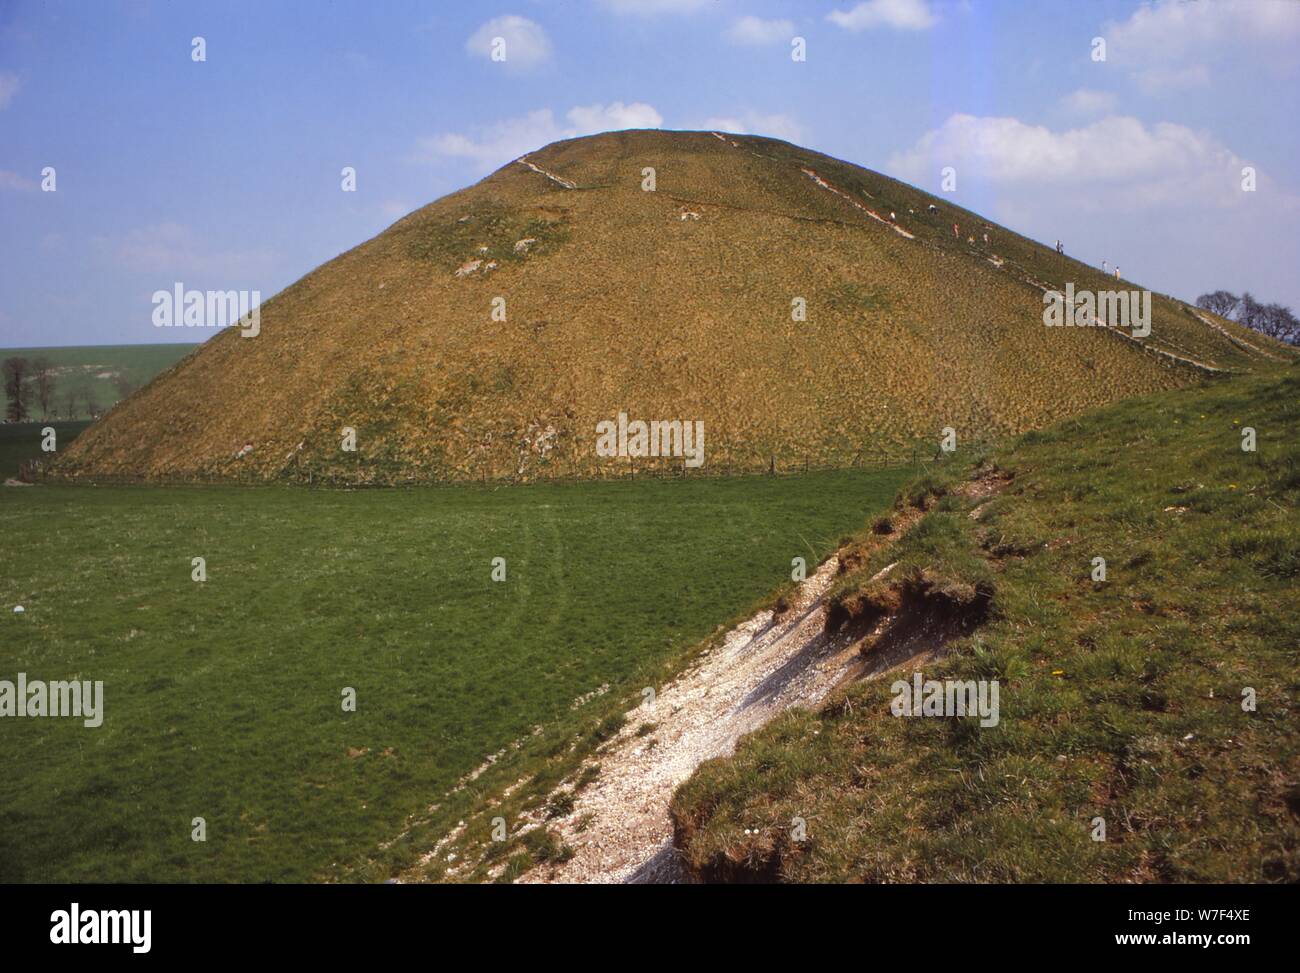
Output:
(588, 776)
(561, 804)
(608, 728)
(544, 847)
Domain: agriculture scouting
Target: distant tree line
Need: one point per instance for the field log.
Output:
(30, 384)
(1274, 320)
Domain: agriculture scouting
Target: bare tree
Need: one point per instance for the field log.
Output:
(1278, 322)
(43, 384)
(70, 397)
(1249, 311)
(17, 394)
(1219, 302)
(1274, 320)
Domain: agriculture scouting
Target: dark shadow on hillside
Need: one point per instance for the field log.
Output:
(775, 684)
(664, 867)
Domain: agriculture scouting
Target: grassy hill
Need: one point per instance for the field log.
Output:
(671, 304)
(94, 374)
(1124, 700)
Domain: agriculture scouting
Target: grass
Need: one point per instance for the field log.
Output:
(223, 698)
(488, 232)
(21, 441)
(1120, 700)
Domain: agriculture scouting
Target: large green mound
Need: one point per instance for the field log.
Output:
(1160, 700)
(674, 304)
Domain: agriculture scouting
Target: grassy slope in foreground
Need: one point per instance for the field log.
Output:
(222, 699)
(1120, 700)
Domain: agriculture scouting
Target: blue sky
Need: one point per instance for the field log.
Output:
(225, 174)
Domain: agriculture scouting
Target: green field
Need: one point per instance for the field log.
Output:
(223, 698)
(20, 441)
(96, 371)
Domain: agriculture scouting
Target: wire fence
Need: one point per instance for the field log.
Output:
(576, 470)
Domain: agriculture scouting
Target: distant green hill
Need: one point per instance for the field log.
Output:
(90, 379)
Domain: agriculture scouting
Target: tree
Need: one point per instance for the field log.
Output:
(1278, 322)
(70, 397)
(1274, 320)
(17, 394)
(1249, 311)
(43, 384)
(1219, 302)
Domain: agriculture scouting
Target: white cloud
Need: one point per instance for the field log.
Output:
(650, 7)
(756, 31)
(1170, 44)
(753, 123)
(899, 14)
(587, 119)
(1162, 200)
(1110, 161)
(13, 181)
(1087, 101)
(1157, 80)
(175, 248)
(526, 44)
(9, 85)
(1136, 165)
(498, 143)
